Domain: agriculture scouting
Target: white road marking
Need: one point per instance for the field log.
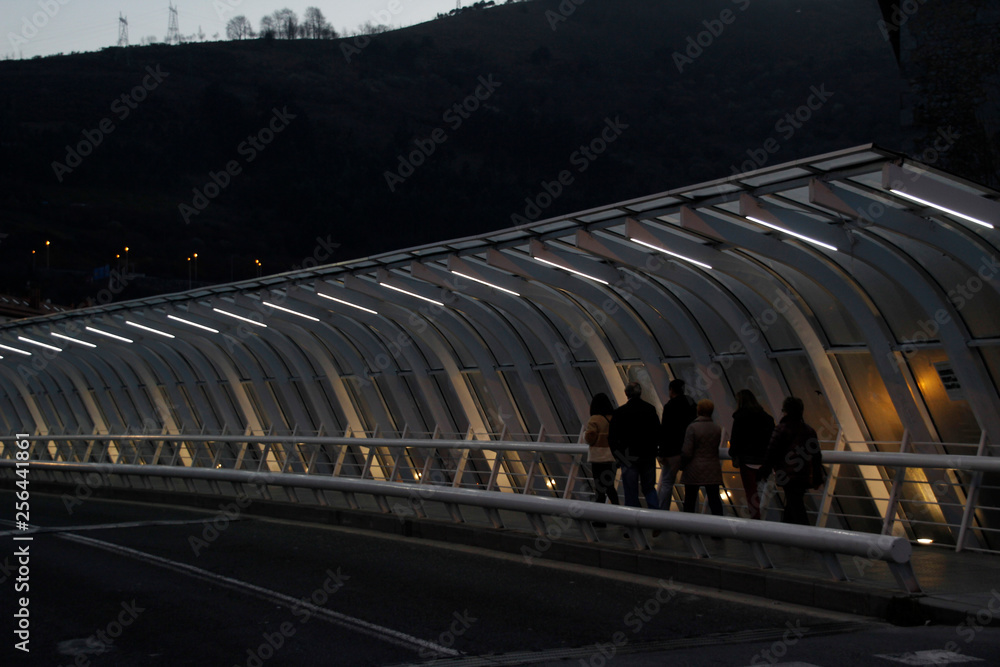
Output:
(36, 530)
(356, 624)
(930, 657)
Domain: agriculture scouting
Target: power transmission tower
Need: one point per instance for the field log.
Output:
(173, 27)
(122, 30)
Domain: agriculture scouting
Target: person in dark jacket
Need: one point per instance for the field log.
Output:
(792, 455)
(752, 428)
(700, 460)
(633, 434)
(678, 412)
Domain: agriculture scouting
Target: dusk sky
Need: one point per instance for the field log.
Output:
(89, 25)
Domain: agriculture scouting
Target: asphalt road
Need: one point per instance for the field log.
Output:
(117, 583)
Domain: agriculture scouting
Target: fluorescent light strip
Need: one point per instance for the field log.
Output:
(483, 282)
(240, 317)
(150, 329)
(190, 323)
(415, 296)
(574, 271)
(672, 254)
(287, 310)
(35, 342)
(347, 303)
(72, 340)
(109, 335)
(790, 232)
(14, 349)
(940, 208)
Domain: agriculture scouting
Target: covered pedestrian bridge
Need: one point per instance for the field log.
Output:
(861, 281)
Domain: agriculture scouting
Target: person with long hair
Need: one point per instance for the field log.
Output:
(752, 428)
(602, 461)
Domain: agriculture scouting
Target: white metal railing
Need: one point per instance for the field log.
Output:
(828, 542)
(897, 493)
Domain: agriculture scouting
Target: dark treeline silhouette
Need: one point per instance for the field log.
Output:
(358, 109)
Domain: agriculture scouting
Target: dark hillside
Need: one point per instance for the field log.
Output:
(324, 175)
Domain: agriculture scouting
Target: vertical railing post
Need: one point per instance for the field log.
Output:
(831, 482)
(897, 482)
(971, 497)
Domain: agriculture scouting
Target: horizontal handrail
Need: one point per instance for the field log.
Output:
(886, 459)
(895, 551)
(438, 443)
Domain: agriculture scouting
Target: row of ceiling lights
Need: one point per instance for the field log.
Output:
(907, 195)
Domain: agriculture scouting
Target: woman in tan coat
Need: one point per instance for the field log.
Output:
(700, 460)
(602, 462)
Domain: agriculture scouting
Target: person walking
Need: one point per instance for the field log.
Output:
(602, 461)
(752, 428)
(678, 412)
(793, 455)
(633, 435)
(700, 459)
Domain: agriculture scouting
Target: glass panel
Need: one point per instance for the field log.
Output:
(872, 399)
(596, 382)
(262, 416)
(954, 419)
(388, 404)
(766, 316)
(458, 417)
(352, 384)
(976, 302)
(837, 323)
(895, 304)
(335, 407)
(485, 403)
(527, 417)
(416, 397)
(571, 421)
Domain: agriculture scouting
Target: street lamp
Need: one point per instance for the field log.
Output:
(47, 244)
(260, 267)
(126, 259)
(189, 273)
(196, 266)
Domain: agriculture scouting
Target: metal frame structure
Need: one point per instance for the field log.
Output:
(861, 281)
